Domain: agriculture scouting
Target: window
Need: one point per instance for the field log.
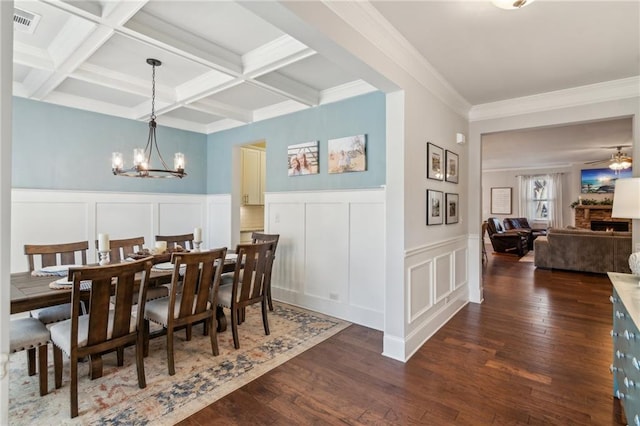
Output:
(540, 198)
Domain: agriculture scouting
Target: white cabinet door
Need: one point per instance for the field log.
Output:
(251, 176)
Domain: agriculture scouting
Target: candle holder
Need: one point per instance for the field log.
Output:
(197, 244)
(104, 258)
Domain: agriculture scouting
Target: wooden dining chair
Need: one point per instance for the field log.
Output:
(103, 329)
(248, 285)
(258, 237)
(192, 302)
(185, 241)
(56, 254)
(43, 255)
(122, 248)
(30, 334)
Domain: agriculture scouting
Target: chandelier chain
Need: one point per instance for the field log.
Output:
(153, 93)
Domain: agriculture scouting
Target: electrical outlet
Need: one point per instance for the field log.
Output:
(334, 296)
(276, 219)
(637, 247)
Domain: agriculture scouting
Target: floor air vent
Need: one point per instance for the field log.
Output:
(24, 21)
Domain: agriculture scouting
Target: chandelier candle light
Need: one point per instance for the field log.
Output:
(142, 157)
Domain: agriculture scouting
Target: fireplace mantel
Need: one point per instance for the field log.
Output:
(585, 214)
(587, 210)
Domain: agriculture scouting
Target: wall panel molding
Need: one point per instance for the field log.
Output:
(58, 216)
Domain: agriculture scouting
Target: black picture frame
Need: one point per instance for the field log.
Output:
(435, 207)
(452, 166)
(452, 208)
(435, 162)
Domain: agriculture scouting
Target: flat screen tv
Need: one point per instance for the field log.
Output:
(601, 181)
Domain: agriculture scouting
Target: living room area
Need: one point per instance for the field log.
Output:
(548, 192)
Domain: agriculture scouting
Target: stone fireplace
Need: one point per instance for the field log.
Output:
(584, 215)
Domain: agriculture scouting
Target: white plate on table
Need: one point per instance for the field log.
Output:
(164, 266)
(64, 282)
(58, 268)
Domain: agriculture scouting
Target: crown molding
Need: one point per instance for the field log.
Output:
(566, 98)
(371, 24)
(519, 169)
(345, 91)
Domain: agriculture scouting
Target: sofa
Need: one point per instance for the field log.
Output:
(522, 224)
(583, 250)
(503, 241)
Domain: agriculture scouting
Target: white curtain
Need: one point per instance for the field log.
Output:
(526, 206)
(555, 200)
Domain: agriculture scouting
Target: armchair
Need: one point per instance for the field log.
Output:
(503, 241)
(522, 224)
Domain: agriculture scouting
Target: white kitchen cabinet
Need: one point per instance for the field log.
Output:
(253, 176)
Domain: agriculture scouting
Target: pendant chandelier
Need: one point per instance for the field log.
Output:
(142, 157)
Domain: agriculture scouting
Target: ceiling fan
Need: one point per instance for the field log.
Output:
(618, 161)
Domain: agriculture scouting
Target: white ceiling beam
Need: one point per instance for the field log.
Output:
(31, 56)
(96, 39)
(288, 87)
(223, 110)
(205, 85)
(80, 38)
(164, 35)
(274, 55)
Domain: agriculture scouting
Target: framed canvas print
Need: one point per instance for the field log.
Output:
(501, 200)
(601, 181)
(451, 160)
(451, 203)
(347, 154)
(435, 160)
(434, 207)
(303, 159)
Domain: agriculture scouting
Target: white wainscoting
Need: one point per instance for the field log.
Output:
(437, 288)
(331, 252)
(48, 217)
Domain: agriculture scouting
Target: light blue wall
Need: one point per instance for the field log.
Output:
(364, 114)
(56, 147)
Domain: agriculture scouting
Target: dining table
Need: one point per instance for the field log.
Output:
(29, 291)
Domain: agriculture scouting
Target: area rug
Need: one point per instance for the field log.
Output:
(528, 258)
(200, 378)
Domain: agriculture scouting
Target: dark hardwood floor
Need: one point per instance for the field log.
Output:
(536, 352)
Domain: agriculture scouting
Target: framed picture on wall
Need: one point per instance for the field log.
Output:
(434, 207)
(303, 159)
(347, 154)
(435, 162)
(451, 160)
(501, 200)
(452, 208)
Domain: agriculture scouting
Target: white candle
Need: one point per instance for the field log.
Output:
(197, 234)
(103, 242)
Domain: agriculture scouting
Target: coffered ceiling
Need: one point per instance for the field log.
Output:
(228, 63)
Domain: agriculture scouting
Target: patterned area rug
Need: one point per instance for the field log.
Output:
(200, 378)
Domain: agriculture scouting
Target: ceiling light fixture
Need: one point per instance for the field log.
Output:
(619, 161)
(142, 157)
(511, 4)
